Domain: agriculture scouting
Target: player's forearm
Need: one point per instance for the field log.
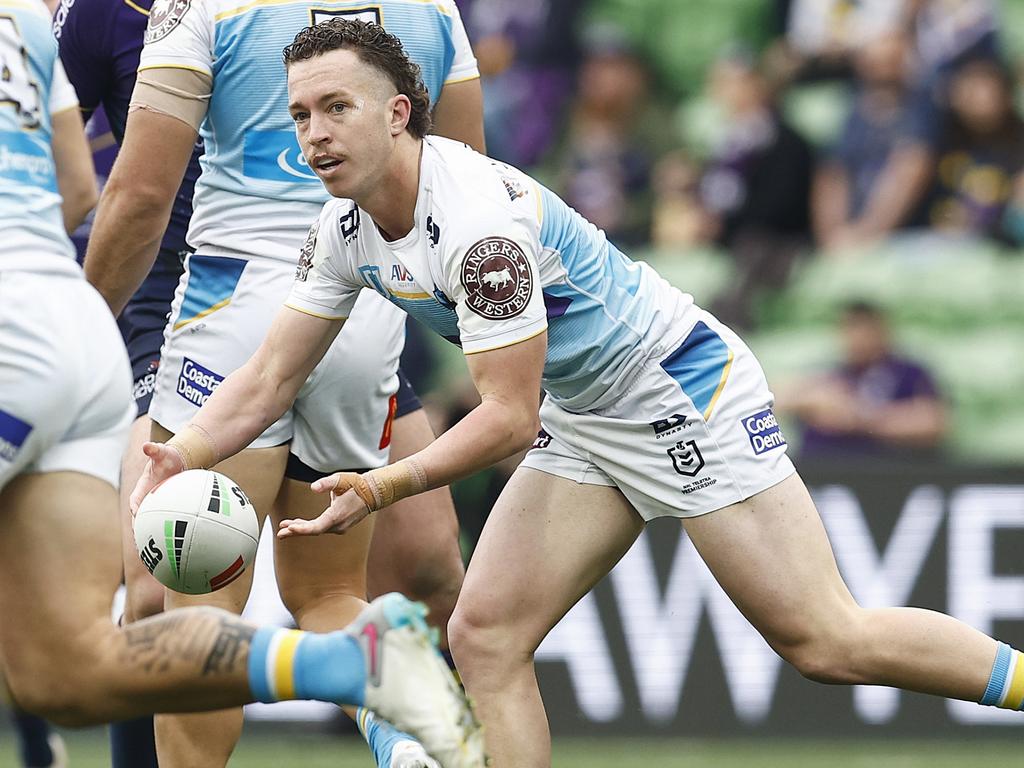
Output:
(124, 242)
(236, 413)
(489, 433)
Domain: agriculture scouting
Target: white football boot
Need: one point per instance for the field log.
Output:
(409, 684)
(410, 754)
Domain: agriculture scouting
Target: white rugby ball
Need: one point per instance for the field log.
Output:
(196, 532)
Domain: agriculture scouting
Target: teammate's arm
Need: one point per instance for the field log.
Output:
(76, 177)
(459, 113)
(246, 402)
(505, 422)
(137, 198)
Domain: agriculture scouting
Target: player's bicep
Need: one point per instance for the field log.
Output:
(511, 375)
(459, 113)
(157, 174)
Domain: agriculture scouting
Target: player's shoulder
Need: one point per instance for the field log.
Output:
(475, 194)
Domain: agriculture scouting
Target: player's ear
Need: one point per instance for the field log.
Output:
(401, 111)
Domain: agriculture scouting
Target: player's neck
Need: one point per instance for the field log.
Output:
(392, 203)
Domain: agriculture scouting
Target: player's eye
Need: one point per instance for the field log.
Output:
(337, 108)
(299, 117)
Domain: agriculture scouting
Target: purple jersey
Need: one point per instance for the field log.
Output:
(890, 380)
(100, 42)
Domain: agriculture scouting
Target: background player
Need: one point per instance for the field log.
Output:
(653, 409)
(65, 409)
(247, 189)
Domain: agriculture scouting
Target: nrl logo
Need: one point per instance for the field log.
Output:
(686, 458)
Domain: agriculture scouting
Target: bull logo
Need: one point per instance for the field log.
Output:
(499, 278)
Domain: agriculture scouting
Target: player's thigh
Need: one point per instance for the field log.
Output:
(258, 472)
(319, 577)
(547, 541)
(415, 547)
(144, 594)
(772, 556)
(59, 569)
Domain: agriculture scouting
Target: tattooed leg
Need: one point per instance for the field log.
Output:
(59, 568)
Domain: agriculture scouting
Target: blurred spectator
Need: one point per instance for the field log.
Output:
(614, 132)
(948, 32)
(821, 36)
(753, 195)
(877, 175)
(527, 51)
(875, 404)
(981, 155)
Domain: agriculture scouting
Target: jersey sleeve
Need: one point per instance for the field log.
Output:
(79, 30)
(464, 66)
(179, 35)
(494, 281)
(62, 93)
(324, 286)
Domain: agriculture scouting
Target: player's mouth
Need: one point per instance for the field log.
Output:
(325, 165)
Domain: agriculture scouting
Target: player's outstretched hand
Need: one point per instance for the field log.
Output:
(163, 462)
(346, 509)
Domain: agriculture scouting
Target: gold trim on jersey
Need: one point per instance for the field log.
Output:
(509, 344)
(465, 79)
(135, 7)
(311, 313)
(174, 66)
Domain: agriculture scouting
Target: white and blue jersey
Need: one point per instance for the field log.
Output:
(33, 88)
(495, 258)
(256, 196)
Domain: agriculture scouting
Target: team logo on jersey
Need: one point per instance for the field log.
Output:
(13, 432)
(763, 431)
(497, 278)
(164, 16)
(686, 458)
(306, 254)
(543, 440)
(349, 224)
(433, 232)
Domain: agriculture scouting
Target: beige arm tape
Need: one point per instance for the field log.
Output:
(196, 447)
(183, 94)
(382, 487)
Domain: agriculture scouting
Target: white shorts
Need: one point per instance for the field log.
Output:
(694, 431)
(65, 384)
(222, 310)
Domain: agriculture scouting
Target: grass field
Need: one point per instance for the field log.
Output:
(305, 750)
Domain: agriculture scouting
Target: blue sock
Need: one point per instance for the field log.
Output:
(33, 735)
(290, 664)
(132, 744)
(381, 735)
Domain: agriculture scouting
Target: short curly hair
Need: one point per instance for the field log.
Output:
(374, 46)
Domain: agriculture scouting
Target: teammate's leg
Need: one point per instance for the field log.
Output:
(208, 739)
(415, 548)
(547, 541)
(70, 663)
(771, 555)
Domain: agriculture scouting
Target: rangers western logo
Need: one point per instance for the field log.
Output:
(306, 254)
(497, 278)
(164, 16)
(686, 458)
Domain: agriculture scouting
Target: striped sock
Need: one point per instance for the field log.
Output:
(381, 735)
(289, 664)
(1006, 684)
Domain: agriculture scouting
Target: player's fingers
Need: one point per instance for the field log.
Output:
(326, 484)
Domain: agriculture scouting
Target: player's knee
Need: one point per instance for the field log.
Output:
(143, 598)
(305, 601)
(825, 657)
(479, 641)
(436, 581)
